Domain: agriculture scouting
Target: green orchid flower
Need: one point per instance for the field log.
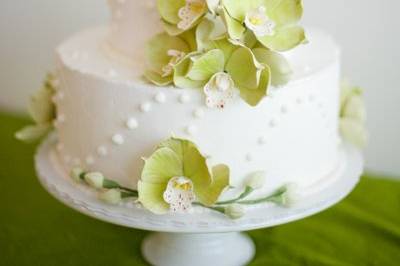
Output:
(163, 52)
(281, 71)
(209, 33)
(273, 23)
(176, 175)
(42, 110)
(222, 71)
(181, 15)
(353, 116)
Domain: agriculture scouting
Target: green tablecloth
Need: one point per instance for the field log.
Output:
(35, 229)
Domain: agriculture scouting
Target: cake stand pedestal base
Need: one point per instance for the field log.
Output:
(174, 249)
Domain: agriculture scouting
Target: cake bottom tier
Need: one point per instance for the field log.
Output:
(109, 119)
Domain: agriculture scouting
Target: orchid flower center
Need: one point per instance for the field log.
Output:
(258, 21)
(176, 56)
(219, 90)
(179, 194)
(192, 10)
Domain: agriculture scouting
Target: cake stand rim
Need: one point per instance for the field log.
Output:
(195, 223)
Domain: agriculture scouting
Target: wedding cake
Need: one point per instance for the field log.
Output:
(214, 103)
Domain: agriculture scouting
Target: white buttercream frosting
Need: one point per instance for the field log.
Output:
(299, 148)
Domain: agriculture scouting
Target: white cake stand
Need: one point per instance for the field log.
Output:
(203, 237)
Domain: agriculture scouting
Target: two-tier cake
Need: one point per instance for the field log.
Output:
(213, 103)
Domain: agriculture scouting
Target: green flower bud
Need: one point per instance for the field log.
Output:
(95, 179)
(354, 131)
(256, 180)
(32, 133)
(76, 174)
(353, 116)
(112, 196)
(290, 196)
(234, 211)
(42, 110)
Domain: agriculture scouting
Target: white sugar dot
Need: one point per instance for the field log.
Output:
(320, 105)
(191, 130)
(132, 123)
(145, 107)
(273, 122)
(284, 109)
(311, 97)
(102, 151)
(184, 98)
(89, 160)
(249, 157)
(112, 73)
(299, 100)
(262, 140)
(198, 113)
(160, 97)
(118, 139)
(121, 1)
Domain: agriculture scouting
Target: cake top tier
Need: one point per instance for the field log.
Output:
(83, 53)
(133, 23)
(224, 47)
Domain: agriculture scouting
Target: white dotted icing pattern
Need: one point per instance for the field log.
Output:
(184, 98)
(285, 109)
(262, 140)
(160, 97)
(89, 160)
(145, 107)
(198, 113)
(102, 151)
(132, 123)
(191, 129)
(118, 139)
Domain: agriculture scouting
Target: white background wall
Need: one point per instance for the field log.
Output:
(368, 31)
